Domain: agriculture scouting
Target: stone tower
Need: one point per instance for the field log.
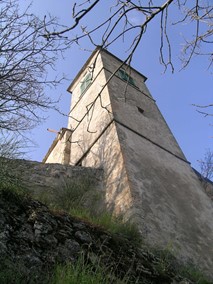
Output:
(115, 124)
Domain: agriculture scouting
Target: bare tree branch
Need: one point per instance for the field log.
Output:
(206, 165)
(26, 57)
(205, 113)
(117, 26)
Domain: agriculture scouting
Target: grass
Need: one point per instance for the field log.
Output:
(94, 273)
(83, 272)
(77, 193)
(76, 199)
(168, 265)
(10, 182)
(12, 188)
(193, 273)
(80, 200)
(114, 225)
(17, 273)
(10, 273)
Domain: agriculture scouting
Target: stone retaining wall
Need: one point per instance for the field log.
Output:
(49, 180)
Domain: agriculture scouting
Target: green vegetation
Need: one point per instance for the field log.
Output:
(114, 225)
(10, 273)
(194, 274)
(83, 272)
(9, 183)
(7, 179)
(80, 200)
(78, 193)
(17, 273)
(76, 199)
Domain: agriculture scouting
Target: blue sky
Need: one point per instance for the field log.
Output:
(174, 93)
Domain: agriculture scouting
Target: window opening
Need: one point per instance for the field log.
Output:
(126, 77)
(140, 110)
(87, 80)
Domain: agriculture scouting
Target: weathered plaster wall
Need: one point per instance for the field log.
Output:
(169, 204)
(96, 136)
(207, 184)
(59, 151)
(125, 100)
(147, 177)
(90, 112)
(106, 154)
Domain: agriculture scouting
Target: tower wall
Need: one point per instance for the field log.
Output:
(94, 141)
(90, 111)
(127, 99)
(59, 151)
(116, 125)
(169, 205)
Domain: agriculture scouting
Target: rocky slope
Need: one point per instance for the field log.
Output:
(34, 239)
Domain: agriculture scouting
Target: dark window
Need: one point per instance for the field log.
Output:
(87, 80)
(126, 77)
(140, 110)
